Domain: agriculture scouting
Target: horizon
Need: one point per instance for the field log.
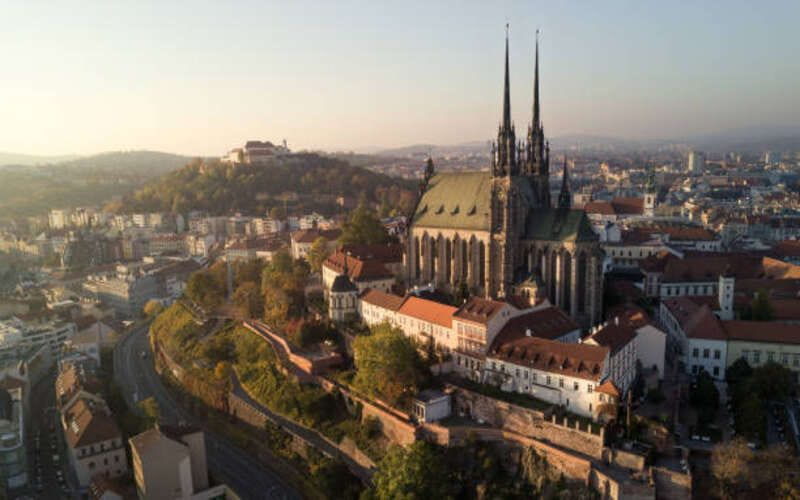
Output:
(129, 78)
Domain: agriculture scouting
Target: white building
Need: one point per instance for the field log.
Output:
(695, 163)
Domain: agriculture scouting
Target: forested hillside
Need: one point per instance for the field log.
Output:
(299, 182)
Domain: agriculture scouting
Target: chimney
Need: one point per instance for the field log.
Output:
(616, 320)
(527, 332)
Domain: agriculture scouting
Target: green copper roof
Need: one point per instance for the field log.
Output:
(456, 200)
(552, 224)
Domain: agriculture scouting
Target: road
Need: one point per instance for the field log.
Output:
(239, 470)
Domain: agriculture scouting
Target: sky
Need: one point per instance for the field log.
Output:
(201, 77)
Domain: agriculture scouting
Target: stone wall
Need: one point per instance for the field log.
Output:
(528, 422)
(311, 365)
(672, 484)
(624, 459)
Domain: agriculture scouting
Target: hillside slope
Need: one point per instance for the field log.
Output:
(300, 182)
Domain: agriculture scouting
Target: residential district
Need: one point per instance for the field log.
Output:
(566, 324)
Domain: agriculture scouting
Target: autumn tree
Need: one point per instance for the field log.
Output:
(204, 290)
(150, 410)
(363, 227)
(730, 464)
(249, 300)
(153, 308)
(318, 253)
(388, 364)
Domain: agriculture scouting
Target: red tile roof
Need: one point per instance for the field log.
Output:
(381, 299)
(609, 388)
(358, 269)
(428, 310)
(705, 325)
(614, 336)
(762, 331)
(549, 323)
(88, 422)
(388, 254)
(575, 360)
(479, 310)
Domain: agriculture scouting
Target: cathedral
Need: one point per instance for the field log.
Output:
(497, 232)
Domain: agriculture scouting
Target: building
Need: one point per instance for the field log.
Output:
(695, 163)
(13, 457)
(573, 376)
(94, 441)
(759, 342)
(364, 272)
(431, 405)
(619, 339)
(303, 239)
(255, 153)
(492, 229)
(170, 463)
(17, 335)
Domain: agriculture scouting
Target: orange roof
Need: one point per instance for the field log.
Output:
(357, 269)
(428, 310)
(614, 336)
(479, 310)
(548, 323)
(609, 388)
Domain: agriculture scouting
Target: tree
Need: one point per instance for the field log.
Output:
(276, 307)
(248, 299)
(761, 308)
(150, 410)
(153, 308)
(223, 370)
(388, 364)
(318, 253)
(705, 397)
(204, 290)
(417, 471)
(730, 463)
(774, 381)
(363, 227)
(738, 372)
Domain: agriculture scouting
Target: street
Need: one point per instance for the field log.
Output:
(138, 380)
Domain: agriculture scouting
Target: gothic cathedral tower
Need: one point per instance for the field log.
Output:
(537, 150)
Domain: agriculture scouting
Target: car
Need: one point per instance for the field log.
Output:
(56, 459)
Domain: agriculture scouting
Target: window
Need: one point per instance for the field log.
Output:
(575, 386)
(590, 407)
(785, 359)
(716, 371)
(706, 353)
(517, 373)
(116, 458)
(548, 379)
(533, 376)
(717, 354)
(695, 352)
(756, 357)
(526, 374)
(589, 388)
(770, 356)
(694, 369)
(561, 382)
(91, 465)
(796, 361)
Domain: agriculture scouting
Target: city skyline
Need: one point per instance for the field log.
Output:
(361, 76)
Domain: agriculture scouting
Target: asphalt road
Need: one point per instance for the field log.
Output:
(236, 468)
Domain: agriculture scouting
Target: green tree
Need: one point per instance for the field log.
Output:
(415, 472)
(705, 397)
(761, 308)
(204, 290)
(738, 372)
(248, 299)
(318, 253)
(388, 364)
(363, 227)
(774, 381)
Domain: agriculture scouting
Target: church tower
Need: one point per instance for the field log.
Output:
(565, 196)
(650, 194)
(537, 150)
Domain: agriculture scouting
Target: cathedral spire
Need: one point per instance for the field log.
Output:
(507, 92)
(504, 161)
(564, 197)
(536, 113)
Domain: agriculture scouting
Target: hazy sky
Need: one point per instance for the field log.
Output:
(202, 77)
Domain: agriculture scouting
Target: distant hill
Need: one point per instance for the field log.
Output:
(299, 182)
(86, 181)
(22, 159)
